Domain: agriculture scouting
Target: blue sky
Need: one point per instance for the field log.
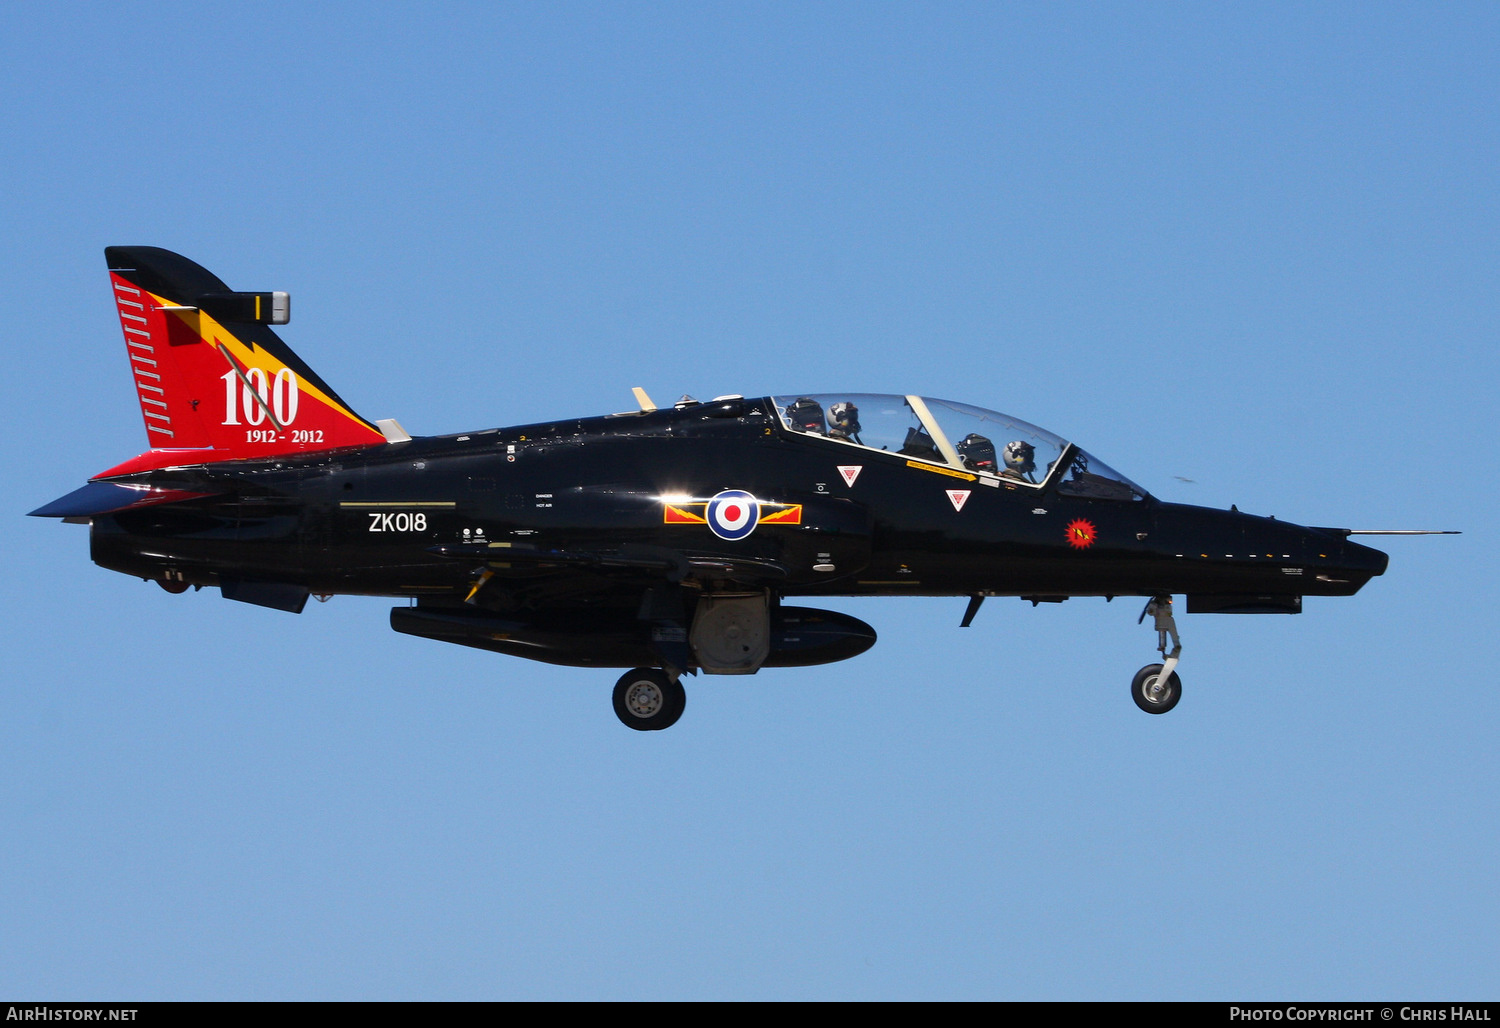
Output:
(1252, 246)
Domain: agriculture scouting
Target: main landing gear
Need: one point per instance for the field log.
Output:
(649, 700)
(1156, 688)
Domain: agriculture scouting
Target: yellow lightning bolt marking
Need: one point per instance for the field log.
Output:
(207, 328)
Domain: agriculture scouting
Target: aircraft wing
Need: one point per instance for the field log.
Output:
(673, 565)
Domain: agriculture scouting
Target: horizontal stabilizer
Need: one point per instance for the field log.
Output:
(111, 497)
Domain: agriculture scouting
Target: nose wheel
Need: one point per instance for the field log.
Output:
(1156, 687)
(1153, 692)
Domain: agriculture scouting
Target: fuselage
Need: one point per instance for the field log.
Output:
(390, 520)
(664, 541)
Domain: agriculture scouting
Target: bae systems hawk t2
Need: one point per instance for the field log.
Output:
(666, 540)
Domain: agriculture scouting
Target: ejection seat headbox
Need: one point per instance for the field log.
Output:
(977, 452)
(806, 415)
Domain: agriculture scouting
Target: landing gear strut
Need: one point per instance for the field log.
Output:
(1156, 688)
(649, 700)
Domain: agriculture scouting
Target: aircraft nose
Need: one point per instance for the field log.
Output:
(1342, 565)
(1365, 560)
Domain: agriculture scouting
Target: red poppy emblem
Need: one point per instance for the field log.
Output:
(1081, 534)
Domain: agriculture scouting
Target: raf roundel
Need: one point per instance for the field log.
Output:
(733, 514)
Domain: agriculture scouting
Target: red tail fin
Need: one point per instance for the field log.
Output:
(212, 377)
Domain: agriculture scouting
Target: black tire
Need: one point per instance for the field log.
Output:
(1144, 679)
(649, 700)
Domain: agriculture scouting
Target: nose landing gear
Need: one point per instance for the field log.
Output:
(1156, 687)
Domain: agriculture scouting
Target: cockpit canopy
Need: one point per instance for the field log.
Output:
(958, 435)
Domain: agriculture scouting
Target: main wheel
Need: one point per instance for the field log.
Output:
(649, 700)
(1150, 694)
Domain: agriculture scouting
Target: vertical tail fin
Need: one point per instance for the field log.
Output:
(211, 376)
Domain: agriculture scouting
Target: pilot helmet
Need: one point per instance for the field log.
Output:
(1018, 457)
(843, 418)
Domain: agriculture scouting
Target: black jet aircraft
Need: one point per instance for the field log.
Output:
(666, 540)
